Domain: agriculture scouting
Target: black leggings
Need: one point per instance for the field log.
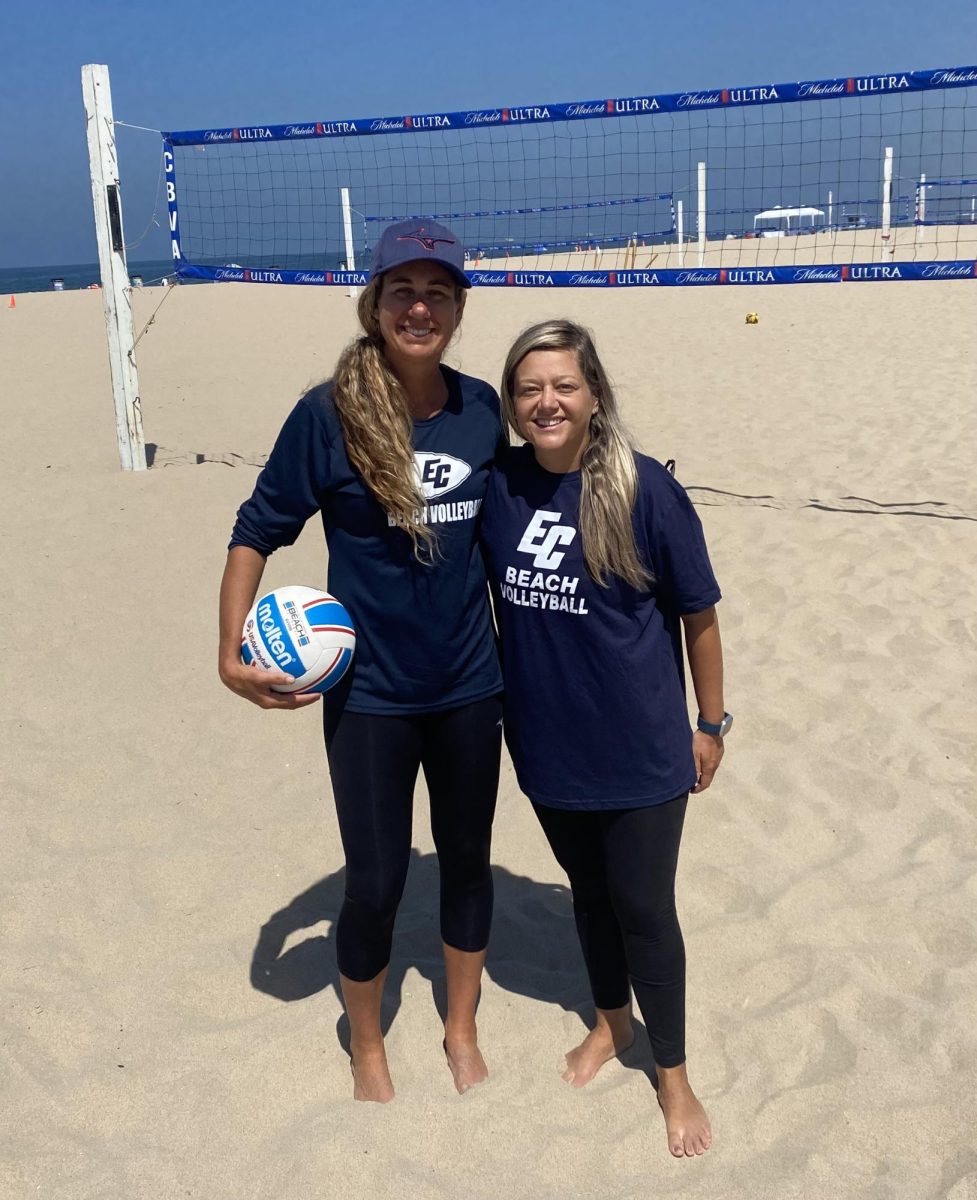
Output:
(621, 866)
(373, 761)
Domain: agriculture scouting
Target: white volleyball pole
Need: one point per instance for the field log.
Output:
(920, 206)
(348, 232)
(680, 222)
(887, 196)
(830, 211)
(116, 291)
(702, 213)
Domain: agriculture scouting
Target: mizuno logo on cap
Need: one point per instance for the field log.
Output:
(422, 239)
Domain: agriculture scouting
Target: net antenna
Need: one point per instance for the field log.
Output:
(114, 271)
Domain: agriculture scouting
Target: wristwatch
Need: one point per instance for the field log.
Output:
(719, 730)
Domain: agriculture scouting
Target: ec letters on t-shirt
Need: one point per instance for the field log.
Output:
(541, 585)
(595, 711)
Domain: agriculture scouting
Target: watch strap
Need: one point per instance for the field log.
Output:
(711, 727)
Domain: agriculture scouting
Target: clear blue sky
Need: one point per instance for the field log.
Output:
(181, 65)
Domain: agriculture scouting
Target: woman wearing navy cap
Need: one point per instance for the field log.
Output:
(596, 562)
(394, 454)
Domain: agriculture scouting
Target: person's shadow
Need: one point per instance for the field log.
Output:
(533, 950)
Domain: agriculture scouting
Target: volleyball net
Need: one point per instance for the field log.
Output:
(856, 178)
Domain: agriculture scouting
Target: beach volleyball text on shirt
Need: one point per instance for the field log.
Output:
(542, 586)
(437, 474)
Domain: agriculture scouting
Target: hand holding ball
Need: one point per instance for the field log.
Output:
(305, 633)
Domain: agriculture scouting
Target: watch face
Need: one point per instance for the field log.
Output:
(726, 725)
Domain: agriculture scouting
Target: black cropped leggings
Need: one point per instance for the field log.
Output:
(621, 866)
(373, 761)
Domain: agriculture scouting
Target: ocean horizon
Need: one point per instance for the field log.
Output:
(75, 276)
(79, 276)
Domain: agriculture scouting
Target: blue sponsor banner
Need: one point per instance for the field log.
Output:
(753, 276)
(688, 277)
(169, 166)
(728, 276)
(909, 271)
(231, 273)
(671, 277)
(841, 88)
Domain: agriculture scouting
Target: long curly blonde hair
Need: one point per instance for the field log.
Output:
(608, 475)
(377, 425)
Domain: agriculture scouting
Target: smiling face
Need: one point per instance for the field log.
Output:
(419, 309)
(553, 406)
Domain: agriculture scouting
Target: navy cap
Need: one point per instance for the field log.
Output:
(419, 241)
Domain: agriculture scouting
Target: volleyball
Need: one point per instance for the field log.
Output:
(305, 633)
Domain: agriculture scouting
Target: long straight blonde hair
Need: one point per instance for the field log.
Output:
(377, 424)
(608, 476)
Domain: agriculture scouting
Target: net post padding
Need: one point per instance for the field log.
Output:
(113, 268)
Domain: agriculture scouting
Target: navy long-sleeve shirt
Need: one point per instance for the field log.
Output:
(424, 635)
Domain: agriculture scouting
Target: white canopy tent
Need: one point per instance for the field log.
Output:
(784, 218)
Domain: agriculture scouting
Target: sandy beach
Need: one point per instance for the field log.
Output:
(171, 862)
(903, 243)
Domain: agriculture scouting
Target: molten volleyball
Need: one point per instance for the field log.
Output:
(303, 632)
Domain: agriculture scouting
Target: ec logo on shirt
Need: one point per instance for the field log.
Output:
(542, 538)
(438, 473)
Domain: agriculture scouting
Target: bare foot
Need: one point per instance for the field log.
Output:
(371, 1078)
(686, 1124)
(465, 1062)
(605, 1041)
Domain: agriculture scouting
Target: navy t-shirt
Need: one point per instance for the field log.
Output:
(595, 709)
(424, 637)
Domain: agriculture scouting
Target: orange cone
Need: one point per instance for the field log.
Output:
(12, 302)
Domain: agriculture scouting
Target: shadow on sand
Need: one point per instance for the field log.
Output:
(533, 950)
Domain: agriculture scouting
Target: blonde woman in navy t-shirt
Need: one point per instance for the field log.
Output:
(598, 565)
(393, 453)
